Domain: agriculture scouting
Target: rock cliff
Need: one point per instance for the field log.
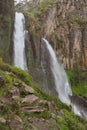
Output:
(64, 24)
(6, 27)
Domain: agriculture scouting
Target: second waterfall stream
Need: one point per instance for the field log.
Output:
(61, 82)
(19, 41)
(62, 86)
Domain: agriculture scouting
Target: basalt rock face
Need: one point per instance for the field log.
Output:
(6, 26)
(64, 24)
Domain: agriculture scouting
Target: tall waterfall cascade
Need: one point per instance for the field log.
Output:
(19, 41)
(61, 82)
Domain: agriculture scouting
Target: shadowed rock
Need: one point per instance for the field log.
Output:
(36, 109)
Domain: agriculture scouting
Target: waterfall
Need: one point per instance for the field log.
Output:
(62, 86)
(19, 41)
(79, 106)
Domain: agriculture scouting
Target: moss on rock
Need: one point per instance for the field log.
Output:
(6, 27)
(28, 114)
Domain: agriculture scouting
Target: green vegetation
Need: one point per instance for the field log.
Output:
(65, 119)
(36, 15)
(30, 59)
(5, 35)
(7, 82)
(44, 6)
(73, 19)
(46, 114)
(78, 81)
(71, 122)
(6, 27)
(4, 127)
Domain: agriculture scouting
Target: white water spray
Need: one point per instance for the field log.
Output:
(19, 42)
(61, 82)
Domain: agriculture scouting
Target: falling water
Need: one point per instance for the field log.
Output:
(61, 82)
(19, 42)
(79, 106)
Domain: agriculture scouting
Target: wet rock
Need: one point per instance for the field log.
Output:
(30, 99)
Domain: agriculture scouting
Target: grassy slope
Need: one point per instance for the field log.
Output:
(65, 119)
(78, 81)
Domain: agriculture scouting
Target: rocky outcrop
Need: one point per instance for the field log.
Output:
(6, 28)
(19, 101)
(64, 24)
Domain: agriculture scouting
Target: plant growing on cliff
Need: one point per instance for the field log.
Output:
(79, 21)
(78, 81)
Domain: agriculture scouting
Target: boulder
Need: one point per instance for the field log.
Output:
(51, 107)
(16, 123)
(28, 88)
(30, 99)
(16, 97)
(5, 100)
(14, 91)
(2, 120)
(42, 102)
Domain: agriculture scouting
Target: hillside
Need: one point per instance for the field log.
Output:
(23, 106)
